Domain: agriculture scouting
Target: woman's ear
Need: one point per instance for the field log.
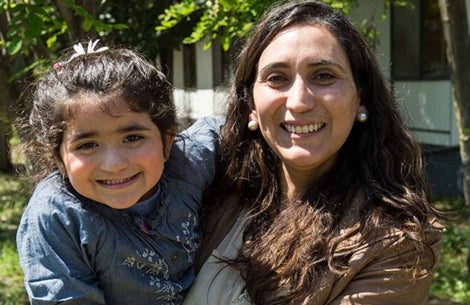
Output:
(253, 116)
(363, 109)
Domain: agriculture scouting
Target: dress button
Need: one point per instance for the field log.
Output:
(174, 256)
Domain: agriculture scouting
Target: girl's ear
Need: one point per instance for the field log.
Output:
(61, 167)
(168, 139)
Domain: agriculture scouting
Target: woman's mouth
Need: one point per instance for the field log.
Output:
(302, 129)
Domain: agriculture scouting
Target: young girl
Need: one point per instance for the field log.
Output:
(114, 219)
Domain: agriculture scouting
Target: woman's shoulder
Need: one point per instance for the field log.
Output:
(387, 233)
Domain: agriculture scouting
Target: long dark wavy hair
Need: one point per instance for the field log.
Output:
(379, 164)
(113, 77)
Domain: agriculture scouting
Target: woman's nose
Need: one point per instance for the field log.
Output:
(300, 98)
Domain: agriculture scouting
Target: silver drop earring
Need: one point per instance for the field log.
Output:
(253, 125)
(362, 117)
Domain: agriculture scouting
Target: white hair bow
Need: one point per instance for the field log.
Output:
(80, 50)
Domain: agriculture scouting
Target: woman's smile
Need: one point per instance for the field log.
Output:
(302, 129)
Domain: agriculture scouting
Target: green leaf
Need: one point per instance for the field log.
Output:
(14, 45)
(34, 26)
(26, 70)
(87, 24)
(51, 41)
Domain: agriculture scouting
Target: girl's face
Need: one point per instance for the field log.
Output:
(115, 159)
(305, 101)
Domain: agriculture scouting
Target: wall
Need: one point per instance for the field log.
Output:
(203, 100)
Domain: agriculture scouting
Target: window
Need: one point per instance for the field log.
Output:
(221, 63)
(189, 65)
(418, 46)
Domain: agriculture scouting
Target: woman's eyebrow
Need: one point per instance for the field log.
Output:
(274, 65)
(326, 62)
(317, 63)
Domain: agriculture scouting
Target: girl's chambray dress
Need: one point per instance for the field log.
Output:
(76, 251)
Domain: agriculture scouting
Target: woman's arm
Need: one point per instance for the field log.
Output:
(398, 274)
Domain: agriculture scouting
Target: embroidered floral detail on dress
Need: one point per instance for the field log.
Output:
(158, 271)
(157, 268)
(188, 238)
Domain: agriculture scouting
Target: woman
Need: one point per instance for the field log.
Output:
(327, 181)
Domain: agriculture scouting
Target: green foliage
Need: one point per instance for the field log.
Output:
(228, 20)
(225, 20)
(175, 14)
(29, 22)
(91, 22)
(36, 30)
(141, 18)
(452, 278)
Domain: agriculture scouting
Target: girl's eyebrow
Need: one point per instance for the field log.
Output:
(125, 129)
(132, 127)
(82, 135)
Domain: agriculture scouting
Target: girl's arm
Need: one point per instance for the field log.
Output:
(194, 154)
(53, 253)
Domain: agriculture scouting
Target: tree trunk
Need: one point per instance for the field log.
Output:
(456, 34)
(5, 124)
(74, 22)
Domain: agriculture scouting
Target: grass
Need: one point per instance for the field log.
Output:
(13, 196)
(451, 285)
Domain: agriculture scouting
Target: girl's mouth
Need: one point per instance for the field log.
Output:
(111, 182)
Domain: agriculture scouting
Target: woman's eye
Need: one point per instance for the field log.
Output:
(276, 79)
(324, 77)
(132, 138)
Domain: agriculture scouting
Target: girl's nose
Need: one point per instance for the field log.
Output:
(300, 98)
(114, 160)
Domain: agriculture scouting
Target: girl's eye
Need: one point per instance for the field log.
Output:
(86, 146)
(132, 138)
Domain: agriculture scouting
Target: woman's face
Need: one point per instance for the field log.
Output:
(305, 100)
